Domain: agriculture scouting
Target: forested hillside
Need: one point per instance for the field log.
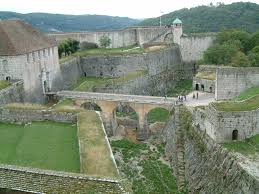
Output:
(68, 23)
(214, 18)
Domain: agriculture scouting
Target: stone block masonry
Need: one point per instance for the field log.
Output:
(25, 116)
(46, 181)
(13, 93)
(208, 167)
(231, 81)
(220, 125)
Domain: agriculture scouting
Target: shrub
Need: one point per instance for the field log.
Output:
(105, 41)
(88, 45)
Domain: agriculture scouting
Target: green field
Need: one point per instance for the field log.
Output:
(90, 83)
(232, 106)
(247, 147)
(45, 145)
(104, 51)
(157, 115)
(4, 84)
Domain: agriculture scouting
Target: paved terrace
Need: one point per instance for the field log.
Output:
(117, 97)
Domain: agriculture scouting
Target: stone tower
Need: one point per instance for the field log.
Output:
(178, 30)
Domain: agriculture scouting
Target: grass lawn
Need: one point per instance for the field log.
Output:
(183, 87)
(95, 154)
(104, 51)
(67, 105)
(143, 168)
(45, 145)
(246, 147)
(4, 84)
(251, 92)
(158, 115)
(247, 105)
(206, 75)
(89, 83)
(26, 106)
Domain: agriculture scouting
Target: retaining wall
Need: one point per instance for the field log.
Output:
(13, 93)
(25, 116)
(46, 181)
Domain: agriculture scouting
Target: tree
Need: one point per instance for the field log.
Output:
(68, 47)
(254, 41)
(105, 41)
(220, 54)
(253, 56)
(240, 60)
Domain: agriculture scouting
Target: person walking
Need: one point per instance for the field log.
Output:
(197, 95)
(193, 96)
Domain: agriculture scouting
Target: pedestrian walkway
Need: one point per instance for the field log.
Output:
(204, 99)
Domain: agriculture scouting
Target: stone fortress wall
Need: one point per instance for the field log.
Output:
(47, 181)
(163, 69)
(231, 81)
(202, 162)
(220, 125)
(192, 47)
(119, 38)
(13, 93)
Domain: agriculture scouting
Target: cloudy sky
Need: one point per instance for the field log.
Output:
(129, 8)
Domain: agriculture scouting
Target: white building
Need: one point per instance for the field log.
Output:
(27, 54)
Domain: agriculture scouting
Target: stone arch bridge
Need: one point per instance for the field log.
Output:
(109, 102)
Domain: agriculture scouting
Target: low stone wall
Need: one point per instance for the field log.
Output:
(208, 85)
(219, 125)
(25, 116)
(13, 93)
(231, 81)
(198, 160)
(46, 181)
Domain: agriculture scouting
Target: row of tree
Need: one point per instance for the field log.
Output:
(235, 48)
(70, 46)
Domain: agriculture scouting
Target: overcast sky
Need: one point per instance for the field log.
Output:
(129, 8)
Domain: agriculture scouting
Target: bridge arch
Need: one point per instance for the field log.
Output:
(91, 106)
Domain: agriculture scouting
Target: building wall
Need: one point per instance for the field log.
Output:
(231, 81)
(34, 69)
(193, 47)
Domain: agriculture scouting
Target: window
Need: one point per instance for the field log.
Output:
(39, 55)
(33, 56)
(28, 58)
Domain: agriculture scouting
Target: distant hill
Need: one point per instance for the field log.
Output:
(69, 23)
(214, 18)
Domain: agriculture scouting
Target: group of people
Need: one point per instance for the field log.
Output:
(182, 98)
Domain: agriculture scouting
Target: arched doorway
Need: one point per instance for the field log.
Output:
(202, 87)
(210, 89)
(197, 87)
(157, 119)
(127, 120)
(235, 135)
